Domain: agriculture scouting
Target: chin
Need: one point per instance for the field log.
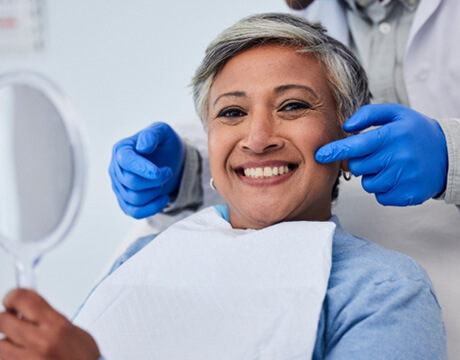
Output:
(261, 218)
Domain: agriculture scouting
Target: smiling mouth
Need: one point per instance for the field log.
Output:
(266, 172)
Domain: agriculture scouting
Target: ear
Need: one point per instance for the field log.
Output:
(344, 165)
(344, 162)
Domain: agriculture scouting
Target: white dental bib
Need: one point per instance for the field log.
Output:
(202, 290)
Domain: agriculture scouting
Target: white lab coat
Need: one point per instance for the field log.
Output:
(431, 66)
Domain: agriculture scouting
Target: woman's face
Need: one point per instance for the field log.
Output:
(270, 109)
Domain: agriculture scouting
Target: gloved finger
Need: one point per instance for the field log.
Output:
(120, 200)
(136, 198)
(128, 179)
(150, 209)
(367, 165)
(153, 136)
(136, 183)
(398, 197)
(354, 146)
(381, 183)
(373, 115)
(130, 160)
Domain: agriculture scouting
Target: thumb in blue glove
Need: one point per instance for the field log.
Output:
(403, 161)
(146, 169)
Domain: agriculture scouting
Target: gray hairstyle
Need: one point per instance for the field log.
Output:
(346, 77)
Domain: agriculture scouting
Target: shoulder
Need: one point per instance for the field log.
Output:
(379, 303)
(132, 250)
(362, 270)
(354, 257)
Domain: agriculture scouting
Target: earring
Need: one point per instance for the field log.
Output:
(347, 175)
(211, 183)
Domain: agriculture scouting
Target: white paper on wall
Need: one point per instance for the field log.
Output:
(21, 27)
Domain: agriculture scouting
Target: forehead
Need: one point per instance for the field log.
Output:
(270, 66)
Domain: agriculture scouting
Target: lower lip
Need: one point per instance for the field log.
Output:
(274, 180)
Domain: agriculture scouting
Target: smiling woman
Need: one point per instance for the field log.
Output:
(272, 275)
(270, 109)
(274, 90)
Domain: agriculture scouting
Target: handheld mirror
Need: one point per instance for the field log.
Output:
(41, 169)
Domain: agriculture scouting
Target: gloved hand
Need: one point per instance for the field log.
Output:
(404, 161)
(146, 168)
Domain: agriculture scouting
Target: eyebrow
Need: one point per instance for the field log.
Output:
(278, 90)
(284, 88)
(232, 93)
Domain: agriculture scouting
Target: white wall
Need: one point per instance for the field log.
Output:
(123, 64)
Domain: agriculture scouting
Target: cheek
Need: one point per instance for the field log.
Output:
(311, 138)
(309, 142)
(213, 151)
(219, 148)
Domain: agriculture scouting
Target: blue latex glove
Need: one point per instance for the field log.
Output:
(146, 168)
(404, 161)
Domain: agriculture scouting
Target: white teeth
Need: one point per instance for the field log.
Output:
(258, 172)
(266, 171)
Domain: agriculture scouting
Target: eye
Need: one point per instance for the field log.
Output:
(295, 106)
(231, 112)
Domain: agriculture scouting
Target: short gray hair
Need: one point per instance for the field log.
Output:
(346, 77)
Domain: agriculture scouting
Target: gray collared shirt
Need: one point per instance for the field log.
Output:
(379, 32)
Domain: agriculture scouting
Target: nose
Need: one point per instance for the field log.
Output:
(261, 134)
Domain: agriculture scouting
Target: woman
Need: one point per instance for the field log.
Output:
(271, 90)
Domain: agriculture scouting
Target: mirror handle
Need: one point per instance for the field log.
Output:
(25, 271)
